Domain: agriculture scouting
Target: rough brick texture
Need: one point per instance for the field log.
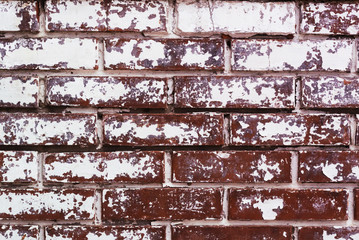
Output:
(179, 119)
(287, 204)
(162, 204)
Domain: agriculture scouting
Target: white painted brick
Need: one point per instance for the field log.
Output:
(19, 91)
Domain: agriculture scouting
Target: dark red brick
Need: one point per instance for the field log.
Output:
(289, 129)
(230, 166)
(234, 92)
(287, 204)
(162, 204)
(329, 166)
(231, 233)
(326, 233)
(166, 54)
(163, 129)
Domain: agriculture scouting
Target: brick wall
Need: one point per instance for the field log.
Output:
(187, 119)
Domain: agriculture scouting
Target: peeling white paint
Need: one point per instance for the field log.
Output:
(16, 91)
(17, 233)
(332, 171)
(9, 14)
(18, 166)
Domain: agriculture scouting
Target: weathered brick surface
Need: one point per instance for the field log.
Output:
(47, 129)
(19, 91)
(165, 54)
(231, 166)
(109, 232)
(289, 129)
(356, 204)
(19, 232)
(133, 167)
(126, 92)
(47, 204)
(330, 18)
(231, 232)
(289, 55)
(137, 16)
(330, 92)
(18, 166)
(19, 16)
(234, 92)
(328, 166)
(162, 204)
(324, 233)
(235, 17)
(51, 53)
(287, 204)
(163, 129)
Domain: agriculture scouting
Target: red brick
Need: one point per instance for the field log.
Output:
(137, 16)
(356, 204)
(19, 91)
(326, 233)
(47, 129)
(18, 166)
(163, 129)
(162, 204)
(289, 129)
(230, 166)
(329, 166)
(288, 55)
(287, 204)
(19, 232)
(75, 15)
(234, 92)
(49, 54)
(19, 16)
(231, 233)
(330, 18)
(106, 232)
(47, 204)
(132, 167)
(233, 17)
(165, 54)
(330, 92)
(126, 92)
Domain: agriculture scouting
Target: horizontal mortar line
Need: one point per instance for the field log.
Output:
(106, 148)
(168, 74)
(48, 222)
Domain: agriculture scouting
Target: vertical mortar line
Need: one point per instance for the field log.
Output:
(227, 55)
(168, 232)
(353, 129)
(42, 91)
(98, 207)
(101, 56)
(298, 94)
(354, 57)
(350, 206)
(168, 169)
(295, 233)
(170, 95)
(226, 129)
(297, 12)
(225, 206)
(40, 168)
(42, 18)
(172, 19)
(99, 130)
(41, 232)
(294, 167)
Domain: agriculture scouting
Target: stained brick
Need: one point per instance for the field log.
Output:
(165, 54)
(129, 92)
(19, 232)
(19, 16)
(47, 204)
(287, 204)
(329, 166)
(235, 17)
(137, 16)
(108, 232)
(289, 129)
(75, 15)
(47, 129)
(231, 232)
(356, 204)
(163, 129)
(330, 18)
(47, 54)
(325, 233)
(231, 166)
(288, 55)
(234, 92)
(18, 166)
(19, 91)
(162, 204)
(133, 167)
(330, 92)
